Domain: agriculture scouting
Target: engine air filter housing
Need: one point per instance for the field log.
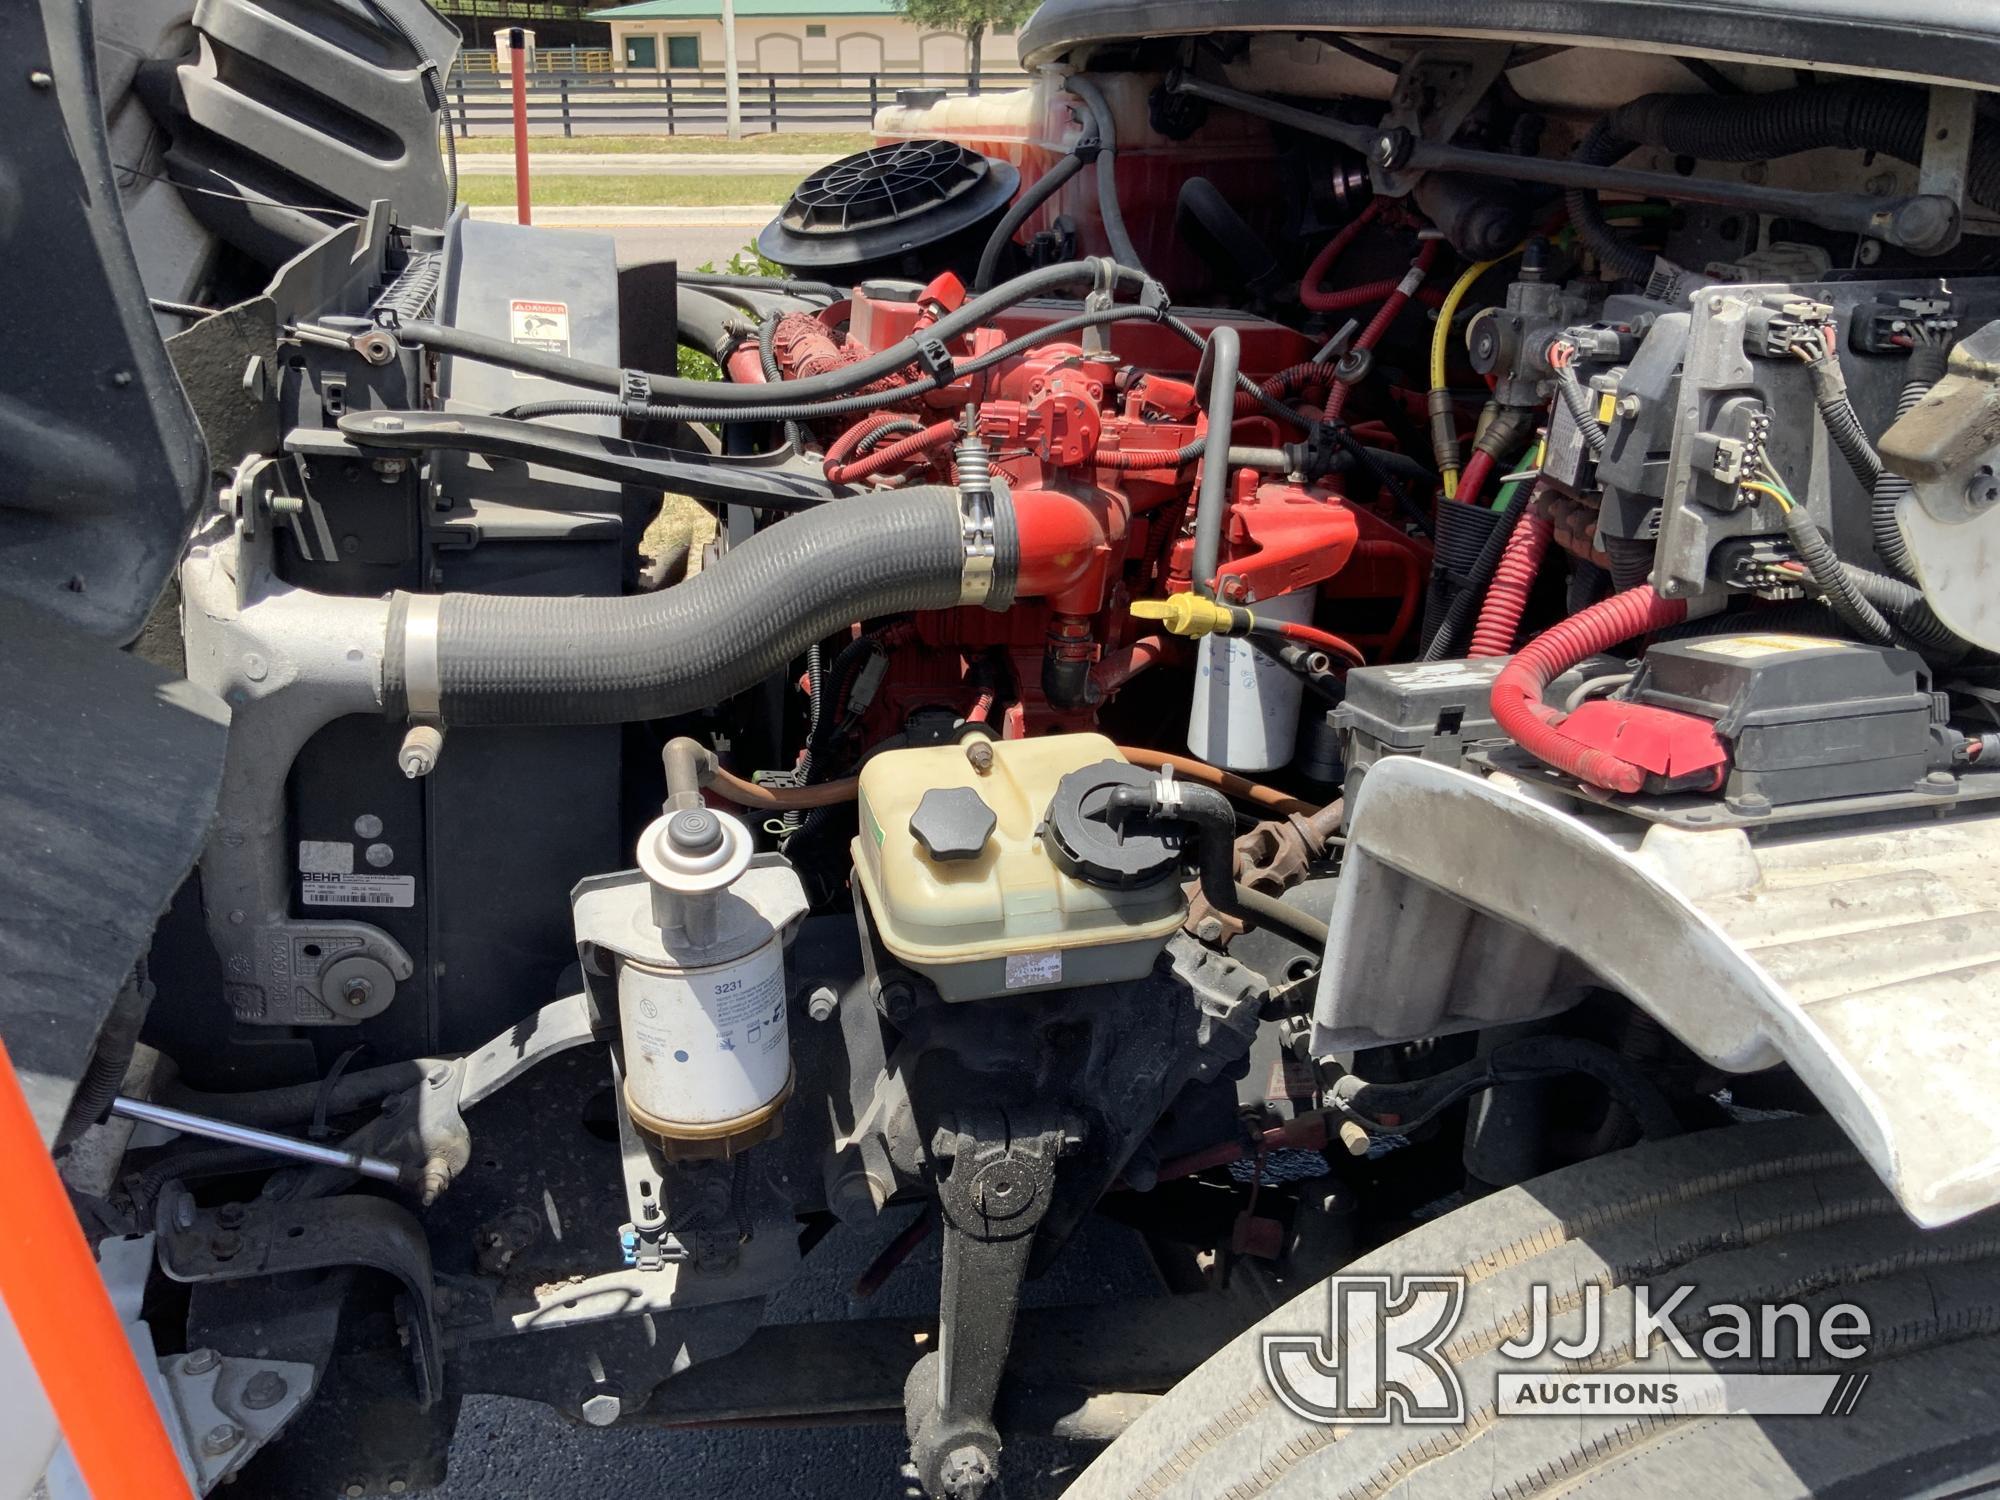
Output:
(913, 208)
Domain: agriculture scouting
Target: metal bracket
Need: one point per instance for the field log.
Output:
(1947, 163)
(238, 1241)
(1435, 92)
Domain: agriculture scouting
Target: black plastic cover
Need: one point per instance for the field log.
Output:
(952, 823)
(1957, 40)
(105, 465)
(1121, 854)
(1805, 718)
(873, 211)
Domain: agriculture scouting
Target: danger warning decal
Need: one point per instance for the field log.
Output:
(539, 325)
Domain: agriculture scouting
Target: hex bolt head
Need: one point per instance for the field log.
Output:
(221, 1438)
(979, 754)
(357, 991)
(601, 1408)
(200, 1361)
(264, 1390)
(966, 1473)
(822, 1003)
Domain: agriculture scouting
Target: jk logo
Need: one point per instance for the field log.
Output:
(1379, 1359)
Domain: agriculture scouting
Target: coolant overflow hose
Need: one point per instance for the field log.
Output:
(1534, 726)
(488, 659)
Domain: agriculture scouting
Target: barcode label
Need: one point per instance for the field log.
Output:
(358, 890)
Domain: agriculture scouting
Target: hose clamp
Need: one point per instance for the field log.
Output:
(423, 685)
(978, 529)
(935, 360)
(637, 393)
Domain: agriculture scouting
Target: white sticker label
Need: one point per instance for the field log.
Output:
(538, 325)
(1751, 647)
(358, 890)
(1026, 969)
(326, 857)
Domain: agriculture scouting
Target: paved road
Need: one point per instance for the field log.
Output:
(643, 164)
(693, 236)
(517, 1450)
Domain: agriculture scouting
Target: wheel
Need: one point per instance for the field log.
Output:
(1752, 1214)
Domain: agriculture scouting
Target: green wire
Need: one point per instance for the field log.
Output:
(1507, 491)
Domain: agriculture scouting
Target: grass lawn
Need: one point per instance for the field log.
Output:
(694, 190)
(828, 145)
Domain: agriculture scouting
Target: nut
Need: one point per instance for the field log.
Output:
(264, 1390)
(200, 1362)
(822, 1003)
(220, 1438)
(979, 754)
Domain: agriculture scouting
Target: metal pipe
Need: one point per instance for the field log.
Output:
(1225, 353)
(262, 1140)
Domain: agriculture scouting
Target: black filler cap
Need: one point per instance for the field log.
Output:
(1121, 853)
(952, 822)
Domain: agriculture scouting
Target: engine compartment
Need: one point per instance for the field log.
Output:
(1142, 563)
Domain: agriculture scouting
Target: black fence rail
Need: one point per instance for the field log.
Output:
(670, 103)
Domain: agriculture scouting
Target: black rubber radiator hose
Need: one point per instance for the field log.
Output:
(489, 659)
(1863, 115)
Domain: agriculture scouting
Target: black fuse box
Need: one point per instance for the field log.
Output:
(1805, 718)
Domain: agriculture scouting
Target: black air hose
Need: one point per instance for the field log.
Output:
(1212, 817)
(709, 323)
(1927, 367)
(1247, 258)
(1122, 249)
(1039, 192)
(1862, 115)
(502, 660)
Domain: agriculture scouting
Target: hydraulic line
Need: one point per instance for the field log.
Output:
(1106, 169)
(662, 389)
(1440, 389)
(937, 435)
(1518, 709)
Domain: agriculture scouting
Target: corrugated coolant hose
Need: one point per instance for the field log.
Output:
(500, 660)
(1517, 692)
(1513, 580)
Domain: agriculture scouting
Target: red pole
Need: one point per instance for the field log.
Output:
(518, 40)
(68, 1325)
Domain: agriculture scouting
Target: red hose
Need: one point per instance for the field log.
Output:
(1478, 469)
(1507, 596)
(1379, 325)
(854, 436)
(1310, 292)
(1323, 640)
(937, 435)
(1517, 692)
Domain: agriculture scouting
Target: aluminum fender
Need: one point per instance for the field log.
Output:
(1866, 954)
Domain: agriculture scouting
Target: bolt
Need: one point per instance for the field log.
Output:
(1984, 490)
(822, 1003)
(221, 1438)
(898, 1000)
(355, 1491)
(601, 1409)
(224, 1246)
(389, 470)
(1354, 1138)
(1209, 929)
(231, 1215)
(1628, 406)
(979, 754)
(388, 424)
(39, 79)
(265, 1389)
(965, 1473)
(357, 991)
(200, 1362)
(418, 755)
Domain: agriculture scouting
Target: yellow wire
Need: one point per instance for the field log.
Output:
(1441, 336)
(1784, 500)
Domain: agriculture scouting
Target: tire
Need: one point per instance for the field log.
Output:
(1766, 1212)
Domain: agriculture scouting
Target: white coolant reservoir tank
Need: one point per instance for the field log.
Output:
(1246, 705)
(691, 947)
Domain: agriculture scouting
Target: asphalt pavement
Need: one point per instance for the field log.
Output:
(508, 1449)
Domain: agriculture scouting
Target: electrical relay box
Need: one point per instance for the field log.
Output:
(1805, 718)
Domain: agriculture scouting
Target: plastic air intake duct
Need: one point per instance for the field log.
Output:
(900, 210)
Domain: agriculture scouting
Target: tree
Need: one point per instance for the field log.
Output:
(969, 18)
